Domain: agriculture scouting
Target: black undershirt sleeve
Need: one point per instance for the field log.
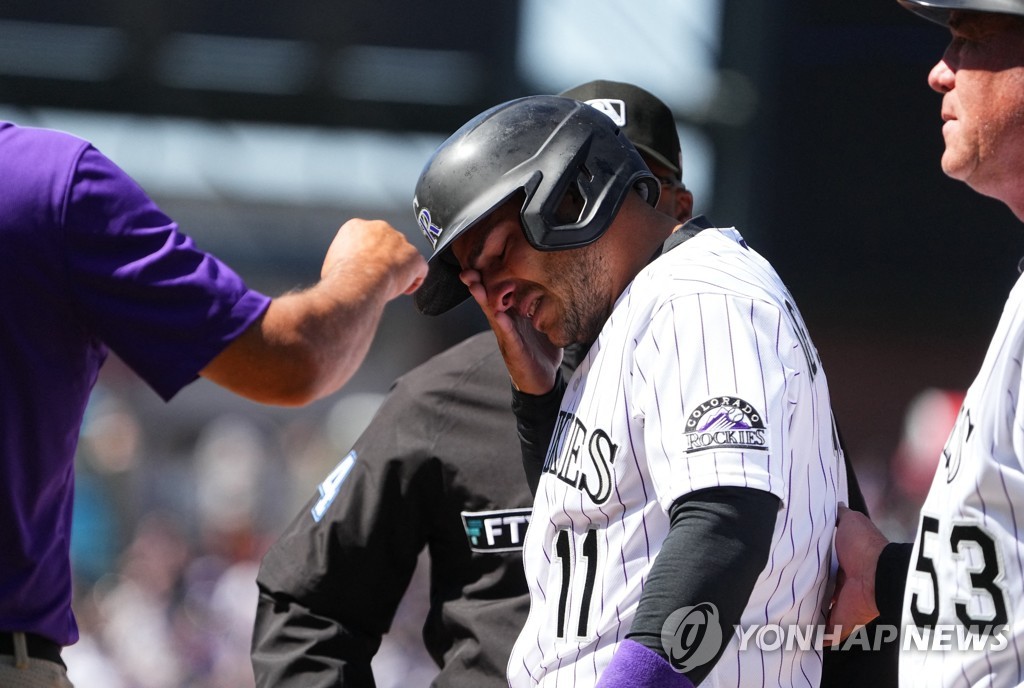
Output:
(876, 665)
(891, 579)
(717, 545)
(536, 416)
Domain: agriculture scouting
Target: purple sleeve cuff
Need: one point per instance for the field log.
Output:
(637, 666)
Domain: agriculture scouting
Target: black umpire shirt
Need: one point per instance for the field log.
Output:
(438, 467)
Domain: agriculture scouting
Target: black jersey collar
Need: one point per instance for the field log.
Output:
(689, 229)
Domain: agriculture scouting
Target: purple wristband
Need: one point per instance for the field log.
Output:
(637, 666)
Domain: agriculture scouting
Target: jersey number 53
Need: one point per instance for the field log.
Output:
(971, 544)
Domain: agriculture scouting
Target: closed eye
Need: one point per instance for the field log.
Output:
(494, 248)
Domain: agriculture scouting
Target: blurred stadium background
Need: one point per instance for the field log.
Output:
(261, 126)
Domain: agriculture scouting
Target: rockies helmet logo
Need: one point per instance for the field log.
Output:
(429, 229)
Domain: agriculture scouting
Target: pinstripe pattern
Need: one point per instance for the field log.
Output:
(706, 321)
(978, 490)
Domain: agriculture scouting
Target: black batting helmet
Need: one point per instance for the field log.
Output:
(938, 10)
(548, 147)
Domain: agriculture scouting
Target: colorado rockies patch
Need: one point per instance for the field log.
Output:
(496, 531)
(725, 423)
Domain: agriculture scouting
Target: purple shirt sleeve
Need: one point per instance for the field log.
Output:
(165, 307)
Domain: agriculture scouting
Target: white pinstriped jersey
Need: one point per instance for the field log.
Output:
(967, 567)
(703, 376)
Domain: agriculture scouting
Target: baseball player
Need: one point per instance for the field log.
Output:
(439, 467)
(963, 602)
(692, 479)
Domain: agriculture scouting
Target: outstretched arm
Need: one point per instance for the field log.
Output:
(309, 343)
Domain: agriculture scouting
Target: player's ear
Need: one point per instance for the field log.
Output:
(684, 203)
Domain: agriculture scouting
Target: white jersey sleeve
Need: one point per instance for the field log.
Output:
(720, 360)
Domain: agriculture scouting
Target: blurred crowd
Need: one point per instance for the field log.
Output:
(171, 520)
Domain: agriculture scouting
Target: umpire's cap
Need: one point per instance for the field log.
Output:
(645, 119)
(550, 148)
(938, 10)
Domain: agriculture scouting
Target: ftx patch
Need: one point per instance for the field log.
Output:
(496, 531)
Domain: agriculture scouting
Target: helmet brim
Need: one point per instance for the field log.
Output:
(442, 290)
(938, 11)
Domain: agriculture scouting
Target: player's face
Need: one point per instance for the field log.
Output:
(981, 77)
(563, 294)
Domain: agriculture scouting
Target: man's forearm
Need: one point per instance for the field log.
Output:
(717, 546)
(536, 417)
